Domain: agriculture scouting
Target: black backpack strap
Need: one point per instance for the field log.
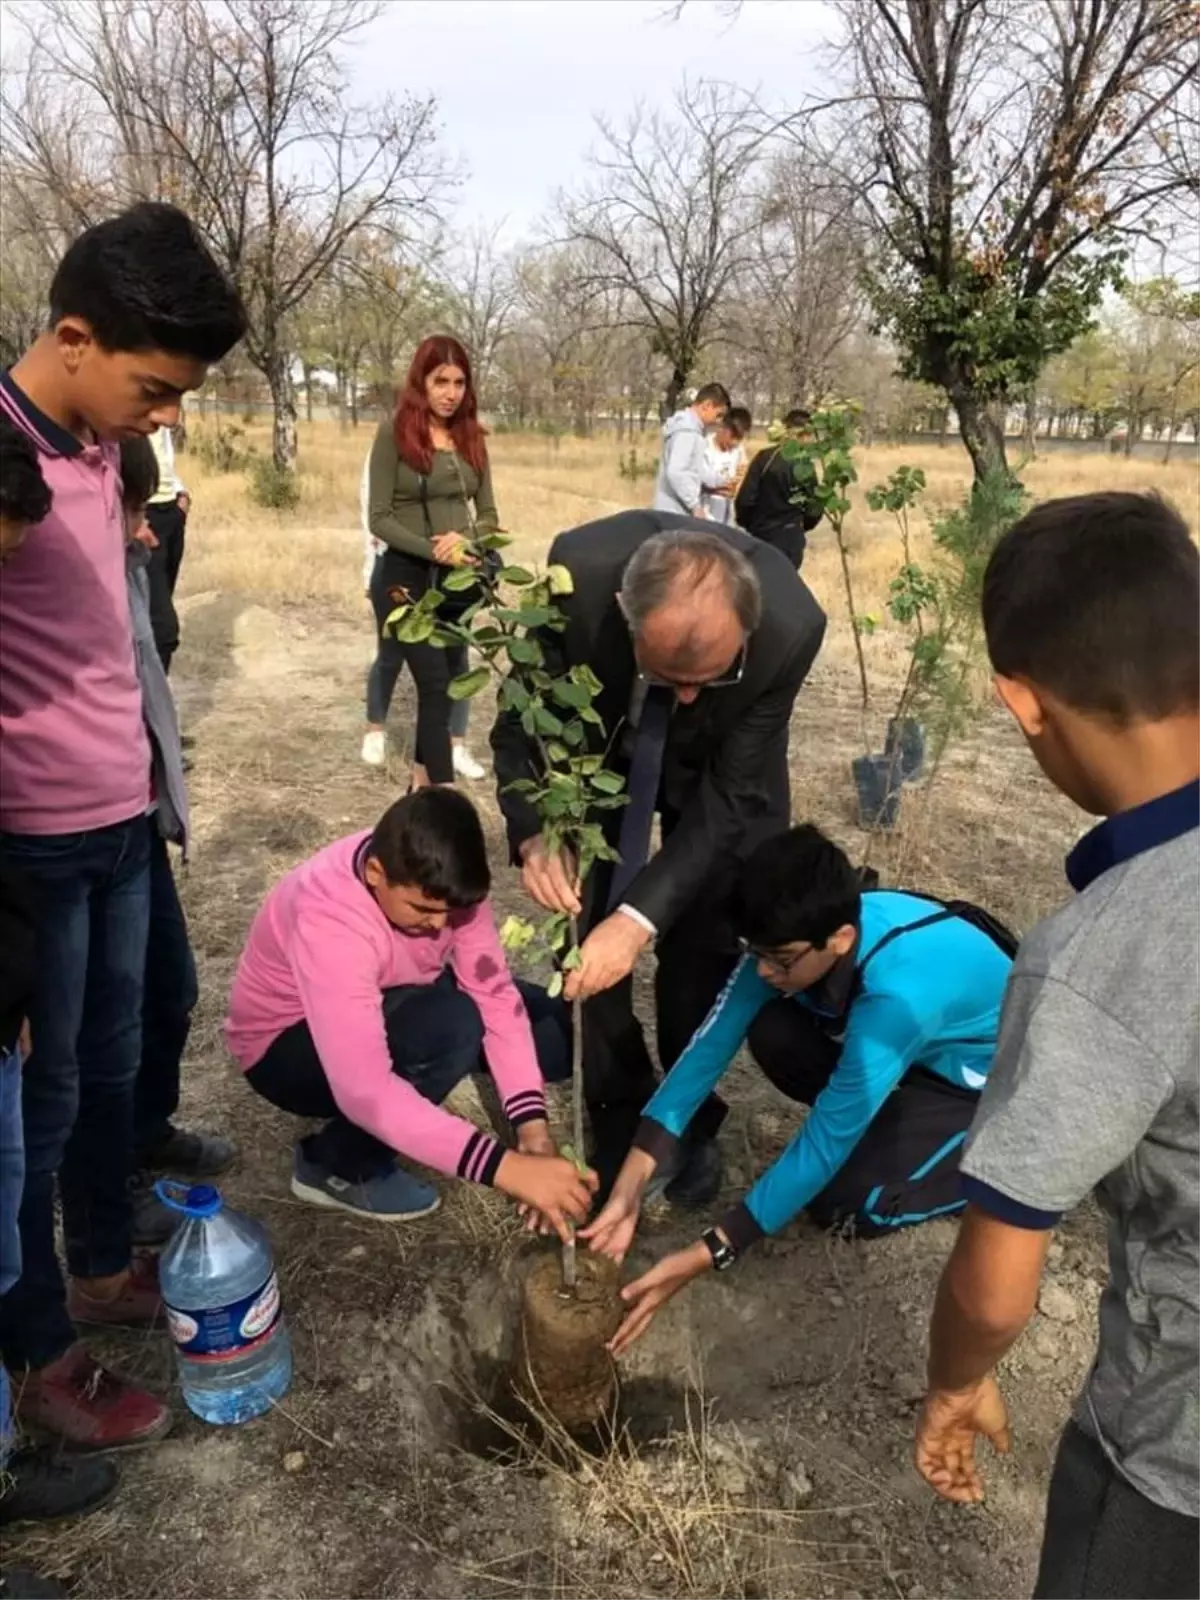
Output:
(965, 911)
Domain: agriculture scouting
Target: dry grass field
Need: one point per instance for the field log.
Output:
(770, 1412)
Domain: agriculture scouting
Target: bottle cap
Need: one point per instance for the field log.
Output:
(196, 1200)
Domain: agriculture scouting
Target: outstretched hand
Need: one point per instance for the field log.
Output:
(949, 1424)
(647, 1294)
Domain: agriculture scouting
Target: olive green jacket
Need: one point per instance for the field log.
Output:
(395, 513)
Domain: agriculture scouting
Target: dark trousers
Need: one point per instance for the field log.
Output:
(170, 998)
(1105, 1541)
(435, 1038)
(432, 669)
(78, 1085)
(904, 1169)
(694, 959)
(168, 523)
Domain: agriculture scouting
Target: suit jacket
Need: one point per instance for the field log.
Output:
(725, 768)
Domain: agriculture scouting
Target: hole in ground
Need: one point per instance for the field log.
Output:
(493, 1420)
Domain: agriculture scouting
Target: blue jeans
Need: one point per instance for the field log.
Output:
(78, 1085)
(435, 1038)
(170, 998)
(12, 1180)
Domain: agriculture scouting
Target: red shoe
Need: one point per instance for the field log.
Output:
(87, 1406)
(137, 1305)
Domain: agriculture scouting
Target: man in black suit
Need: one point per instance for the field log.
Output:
(701, 637)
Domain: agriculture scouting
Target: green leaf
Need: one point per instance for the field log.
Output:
(560, 579)
(470, 683)
(514, 696)
(554, 984)
(573, 959)
(567, 693)
(590, 714)
(394, 618)
(534, 616)
(416, 628)
(461, 578)
(526, 652)
(546, 722)
(519, 577)
(605, 782)
(557, 751)
(585, 675)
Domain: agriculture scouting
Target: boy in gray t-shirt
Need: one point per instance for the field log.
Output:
(1091, 610)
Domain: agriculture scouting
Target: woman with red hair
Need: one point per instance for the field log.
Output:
(428, 467)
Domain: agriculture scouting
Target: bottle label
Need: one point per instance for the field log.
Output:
(222, 1332)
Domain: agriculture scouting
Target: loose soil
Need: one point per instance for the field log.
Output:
(761, 1440)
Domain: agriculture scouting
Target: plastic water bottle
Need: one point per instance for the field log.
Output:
(222, 1302)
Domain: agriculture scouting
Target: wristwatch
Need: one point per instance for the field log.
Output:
(719, 1248)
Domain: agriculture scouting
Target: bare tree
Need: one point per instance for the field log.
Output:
(483, 292)
(237, 110)
(1008, 152)
(798, 297)
(668, 219)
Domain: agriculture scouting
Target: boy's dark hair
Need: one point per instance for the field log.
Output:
(798, 418)
(1096, 598)
(433, 840)
(796, 885)
(712, 394)
(139, 473)
(739, 421)
(24, 497)
(145, 280)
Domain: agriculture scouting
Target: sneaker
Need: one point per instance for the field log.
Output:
(137, 1304)
(465, 763)
(23, 1583)
(374, 747)
(39, 1486)
(698, 1181)
(87, 1406)
(153, 1222)
(182, 1153)
(394, 1196)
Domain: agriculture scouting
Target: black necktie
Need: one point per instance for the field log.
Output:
(644, 772)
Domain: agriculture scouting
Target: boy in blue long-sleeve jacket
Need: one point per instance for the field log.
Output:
(879, 1010)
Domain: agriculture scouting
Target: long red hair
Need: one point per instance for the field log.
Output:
(411, 424)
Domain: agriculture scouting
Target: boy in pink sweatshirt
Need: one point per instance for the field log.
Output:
(372, 981)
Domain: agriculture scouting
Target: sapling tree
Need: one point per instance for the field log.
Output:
(507, 608)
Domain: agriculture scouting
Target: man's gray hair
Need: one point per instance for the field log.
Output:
(667, 565)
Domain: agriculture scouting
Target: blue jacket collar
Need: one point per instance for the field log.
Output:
(1129, 833)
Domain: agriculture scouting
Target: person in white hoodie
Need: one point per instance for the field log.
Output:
(680, 484)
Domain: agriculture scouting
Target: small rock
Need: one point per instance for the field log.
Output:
(364, 1383)
(295, 1461)
(796, 1483)
(356, 1252)
(837, 1301)
(1058, 1303)
(915, 1592)
(451, 1535)
(1054, 1254)
(1046, 1342)
(822, 1417)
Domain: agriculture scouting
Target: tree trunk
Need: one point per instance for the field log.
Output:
(283, 406)
(354, 396)
(981, 433)
(308, 403)
(675, 388)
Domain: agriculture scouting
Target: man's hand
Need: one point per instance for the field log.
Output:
(550, 1185)
(25, 1041)
(646, 1294)
(550, 879)
(946, 1431)
(184, 501)
(608, 954)
(612, 1232)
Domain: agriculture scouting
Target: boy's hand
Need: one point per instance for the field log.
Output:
(25, 1041)
(184, 501)
(549, 1185)
(946, 1433)
(612, 1232)
(533, 1139)
(653, 1289)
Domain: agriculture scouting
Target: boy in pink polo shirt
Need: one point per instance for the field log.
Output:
(138, 311)
(372, 981)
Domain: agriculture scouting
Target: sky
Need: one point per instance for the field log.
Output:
(518, 81)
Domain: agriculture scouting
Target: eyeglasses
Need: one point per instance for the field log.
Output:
(733, 674)
(777, 963)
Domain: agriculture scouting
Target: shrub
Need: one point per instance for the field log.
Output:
(222, 450)
(272, 487)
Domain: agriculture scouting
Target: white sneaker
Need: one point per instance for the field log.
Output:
(465, 763)
(374, 747)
